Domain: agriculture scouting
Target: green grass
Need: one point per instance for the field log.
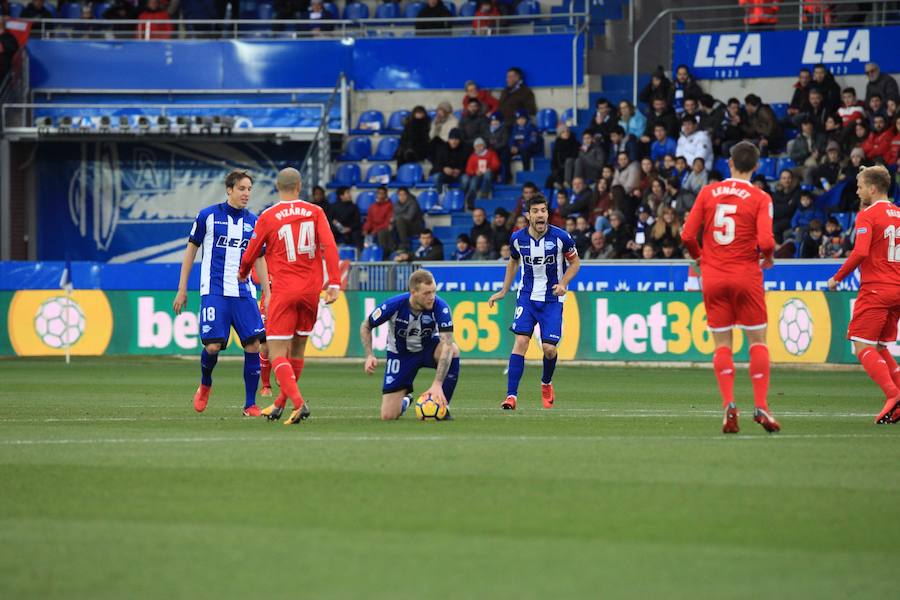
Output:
(111, 487)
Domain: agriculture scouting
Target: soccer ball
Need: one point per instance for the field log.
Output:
(59, 322)
(429, 410)
(795, 326)
(323, 330)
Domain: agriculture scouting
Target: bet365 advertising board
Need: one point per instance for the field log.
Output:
(804, 326)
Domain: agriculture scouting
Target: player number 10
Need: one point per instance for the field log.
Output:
(305, 245)
(891, 233)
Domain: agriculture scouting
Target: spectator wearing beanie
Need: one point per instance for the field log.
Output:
(524, 140)
(449, 161)
(473, 123)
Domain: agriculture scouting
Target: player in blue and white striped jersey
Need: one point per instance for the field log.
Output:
(549, 262)
(223, 232)
(420, 334)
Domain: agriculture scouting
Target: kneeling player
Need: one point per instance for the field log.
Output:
(420, 334)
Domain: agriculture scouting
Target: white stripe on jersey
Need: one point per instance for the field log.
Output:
(391, 336)
(232, 259)
(207, 249)
(521, 267)
(559, 266)
(539, 273)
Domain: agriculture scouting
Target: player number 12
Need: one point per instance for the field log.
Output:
(305, 245)
(891, 233)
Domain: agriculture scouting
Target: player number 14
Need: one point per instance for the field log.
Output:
(305, 245)
(891, 233)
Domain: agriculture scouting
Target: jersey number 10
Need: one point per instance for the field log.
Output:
(305, 245)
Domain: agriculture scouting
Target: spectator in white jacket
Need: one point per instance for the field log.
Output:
(694, 143)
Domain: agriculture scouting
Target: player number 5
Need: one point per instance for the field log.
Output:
(305, 245)
(892, 234)
(724, 224)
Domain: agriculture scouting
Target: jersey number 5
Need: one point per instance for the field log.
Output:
(724, 223)
(305, 245)
(891, 233)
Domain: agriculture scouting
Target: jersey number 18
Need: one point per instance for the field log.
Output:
(305, 245)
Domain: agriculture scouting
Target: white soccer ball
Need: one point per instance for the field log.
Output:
(323, 331)
(795, 326)
(59, 322)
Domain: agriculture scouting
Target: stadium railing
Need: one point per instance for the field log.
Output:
(380, 276)
(316, 166)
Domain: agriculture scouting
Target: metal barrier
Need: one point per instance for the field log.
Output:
(316, 167)
(380, 276)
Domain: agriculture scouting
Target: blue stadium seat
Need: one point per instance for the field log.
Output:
(369, 122)
(409, 174)
(780, 109)
(332, 10)
(347, 252)
(378, 174)
(411, 10)
(845, 219)
(15, 9)
(547, 119)
(431, 203)
(264, 11)
(332, 197)
(468, 9)
(51, 8)
(721, 165)
(356, 11)
(100, 8)
(364, 201)
(397, 120)
(71, 10)
(785, 162)
(373, 253)
(767, 168)
(386, 149)
(346, 175)
(358, 148)
(527, 7)
(451, 7)
(454, 200)
(388, 10)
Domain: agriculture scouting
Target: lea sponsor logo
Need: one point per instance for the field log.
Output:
(840, 46)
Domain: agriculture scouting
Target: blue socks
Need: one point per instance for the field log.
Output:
(451, 379)
(549, 367)
(251, 377)
(516, 368)
(207, 364)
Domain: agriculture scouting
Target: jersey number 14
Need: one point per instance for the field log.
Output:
(305, 245)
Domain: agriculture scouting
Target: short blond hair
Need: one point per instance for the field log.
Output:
(418, 278)
(877, 176)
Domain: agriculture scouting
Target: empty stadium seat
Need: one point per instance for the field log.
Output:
(364, 201)
(845, 219)
(388, 10)
(451, 7)
(785, 162)
(528, 7)
(332, 197)
(358, 148)
(373, 253)
(386, 149)
(430, 203)
(370, 121)
(767, 168)
(411, 10)
(454, 200)
(721, 165)
(468, 9)
(356, 11)
(346, 175)
(100, 8)
(547, 119)
(409, 174)
(347, 252)
(332, 10)
(71, 10)
(378, 174)
(397, 121)
(780, 109)
(15, 9)
(264, 11)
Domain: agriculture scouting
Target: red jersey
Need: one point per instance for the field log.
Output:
(736, 219)
(296, 236)
(877, 249)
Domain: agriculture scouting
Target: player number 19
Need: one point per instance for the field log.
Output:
(891, 233)
(305, 245)
(724, 223)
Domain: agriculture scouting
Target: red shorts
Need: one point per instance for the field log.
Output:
(875, 315)
(291, 314)
(735, 302)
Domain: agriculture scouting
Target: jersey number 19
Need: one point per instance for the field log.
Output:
(305, 245)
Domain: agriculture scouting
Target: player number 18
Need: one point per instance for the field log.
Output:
(891, 233)
(305, 245)
(724, 223)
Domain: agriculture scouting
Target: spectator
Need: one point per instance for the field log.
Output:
(408, 219)
(430, 248)
(524, 140)
(681, 169)
(377, 227)
(464, 249)
(667, 227)
(444, 122)
(153, 12)
(655, 196)
(480, 225)
(481, 168)
(579, 201)
(582, 235)
(851, 110)
(662, 144)
(694, 143)
(697, 178)
(760, 13)
(648, 251)
(880, 83)
(677, 198)
(345, 219)
(499, 228)
(829, 171)
(683, 87)
(289, 9)
(891, 106)
(8, 48)
(316, 13)
(521, 223)
(641, 230)
(485, 22)
(658, 86)
(432, 19)
(811, 240)
(36, 10)
(731, 130)
(890, 158)
(562, 158)
(824, 81)
(487, 100)
(833, 130)
(85, 30)
(805, 214)
(648, 174)
(516, 96)
(505, 252)
(449, 162)
(570, 226)
(849, 201)
(473, 123)
(627, 176)
(762, 127)
(632, 121)
(483, 249)
(603, 122)
(529, 191)
(785, 200)
(620, 235)
(855, 135)
(834, 242)
(818, 112)
(598, 250)
(799, 105)
(712, 112)
(691, 108)
(875, 107)
(498, 141)
(759, 180)
(878, 144)
(809, 146)
(619, 141)
(591, 157)
(661, 115)
(669, 249)
(602, 202)
(123, 10)
(414, 141)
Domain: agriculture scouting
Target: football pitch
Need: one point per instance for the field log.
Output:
(112, 487)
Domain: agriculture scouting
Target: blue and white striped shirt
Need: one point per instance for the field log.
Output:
(222, 232)
(543, 261)
(408, 331)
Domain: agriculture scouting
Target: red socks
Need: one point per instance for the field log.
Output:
(265, 371)
(297, 366)
(723, 365)
(759, 375)
(287, 381)
(876, 367)
(892, 365)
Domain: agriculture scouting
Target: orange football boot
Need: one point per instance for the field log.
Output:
(201, 397)
(547, 395)
(509, 403)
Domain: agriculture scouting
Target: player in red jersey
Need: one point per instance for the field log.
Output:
(297, 237)
(877, 309)
(736, 220)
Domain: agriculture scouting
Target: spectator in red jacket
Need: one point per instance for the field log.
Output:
(878, 144)
(890, 157)
(483, 24)
(154, 12)
(377, 227)
(489, 104)
(852, 109)
(760, 13)
(481, 169)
